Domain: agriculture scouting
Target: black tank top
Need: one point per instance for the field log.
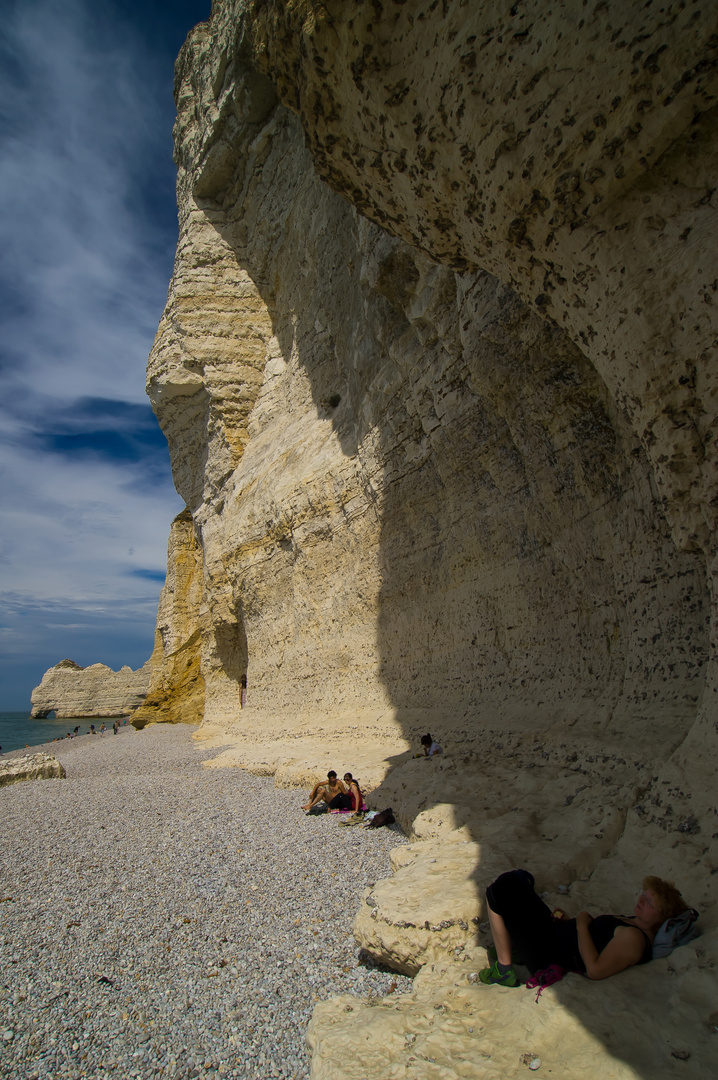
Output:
(603, 928)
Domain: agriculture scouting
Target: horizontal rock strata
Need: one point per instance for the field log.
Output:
(92, 692)
(427, 911)
(395, 471)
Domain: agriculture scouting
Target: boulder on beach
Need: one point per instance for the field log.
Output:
(30, 767)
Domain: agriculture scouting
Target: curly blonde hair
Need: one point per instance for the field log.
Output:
(670, 901)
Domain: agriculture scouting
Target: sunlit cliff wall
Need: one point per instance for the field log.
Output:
(459, 456)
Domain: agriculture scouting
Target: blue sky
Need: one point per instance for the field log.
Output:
(88, 229)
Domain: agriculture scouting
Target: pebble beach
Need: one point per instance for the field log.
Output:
(162, 919)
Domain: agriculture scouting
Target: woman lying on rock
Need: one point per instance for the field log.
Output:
(522, 923)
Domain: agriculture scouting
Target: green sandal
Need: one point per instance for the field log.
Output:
(492, 976)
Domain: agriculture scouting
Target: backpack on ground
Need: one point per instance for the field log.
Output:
(384, 817)
(675, 932)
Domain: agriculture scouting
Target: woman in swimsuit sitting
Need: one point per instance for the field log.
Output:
(356, 799)
(594, 947)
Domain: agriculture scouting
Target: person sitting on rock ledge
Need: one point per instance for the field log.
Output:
(596, 947)
(325, 791)
(429, 747)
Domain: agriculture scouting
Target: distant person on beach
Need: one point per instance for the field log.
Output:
(429, 748)
(76, 731)
(325, 791)
(92, 730)
(596, 947)
(102, 730)
(115, 726)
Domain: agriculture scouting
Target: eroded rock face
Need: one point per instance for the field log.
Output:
(396, 470)
(427, 911)
(568, 151)
(94, 691)
(451, 1026)
(410, 489)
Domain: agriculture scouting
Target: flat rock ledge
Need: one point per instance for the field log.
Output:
(452, 1027)
(30, 767)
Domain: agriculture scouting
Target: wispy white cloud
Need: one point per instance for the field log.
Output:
(87, 233)
(78, 529)
(83, 139)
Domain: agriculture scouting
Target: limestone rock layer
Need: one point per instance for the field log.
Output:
(397, 471)
(437, 371)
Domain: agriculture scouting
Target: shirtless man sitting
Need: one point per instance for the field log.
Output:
(325, 790)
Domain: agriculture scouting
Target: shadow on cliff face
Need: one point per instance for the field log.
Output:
(536, 617)
(531, 608)
(232, 650)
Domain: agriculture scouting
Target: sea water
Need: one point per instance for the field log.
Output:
(18, 730)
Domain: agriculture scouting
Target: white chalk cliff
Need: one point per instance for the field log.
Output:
(437, 370)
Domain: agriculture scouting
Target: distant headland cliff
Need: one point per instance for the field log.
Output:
(95, 691)
(169, 686)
